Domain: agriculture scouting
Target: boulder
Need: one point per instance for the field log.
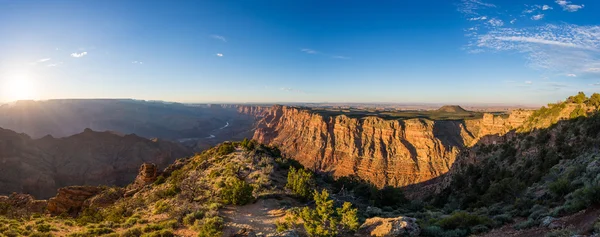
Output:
(546, 221)
(71, 199)
(390, 227)
(18, 204)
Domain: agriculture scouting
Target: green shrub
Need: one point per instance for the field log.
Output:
(190, 218)
(159, 233)
(225, 148)
(160, 180)
(348, 217)
(133, 232)
(209, 227)
(301, 182)
(324, 221)
(463, 220)
(525, 224)
(43, 228)
(237, 192)
(161, 207)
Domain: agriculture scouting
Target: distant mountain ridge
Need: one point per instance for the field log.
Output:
(40, 166)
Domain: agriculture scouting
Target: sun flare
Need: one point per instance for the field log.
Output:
(19, 87)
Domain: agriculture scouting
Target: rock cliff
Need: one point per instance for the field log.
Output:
(385, 152)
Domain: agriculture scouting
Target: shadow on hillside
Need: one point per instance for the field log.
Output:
(548, 140)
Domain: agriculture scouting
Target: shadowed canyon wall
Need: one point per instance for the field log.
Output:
(385, 152)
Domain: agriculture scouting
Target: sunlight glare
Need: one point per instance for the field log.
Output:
(18, 86)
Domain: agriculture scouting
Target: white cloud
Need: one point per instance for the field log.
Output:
(309, 51)
(78, 55)
(513, 21)
(595, 84)
(54, 64)
(546, 7)
(561, 49)
(471, 7)
(572, 75)
(219, 37)
(219, 55)
(567, 6)
(340, 57)
(528, 82)
(43, 60)
(137, 62)
(537, 17)
(481, 18)
(496, 22)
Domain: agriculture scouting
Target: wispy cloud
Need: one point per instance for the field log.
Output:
(219, 37)
(288, 89)
(528, 82)
(472, 7)
(219, 55)
(79, 55)
(340, 57)
(43, 60)
(137, 62)
(572, 75)
(480, 18)
(496, 22)
(561, 48)
(537, 17)
(54, 64)
(567, 6)
(310, 51)
(555, 49)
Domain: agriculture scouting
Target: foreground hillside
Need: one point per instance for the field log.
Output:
(41, 166)
(239, 189)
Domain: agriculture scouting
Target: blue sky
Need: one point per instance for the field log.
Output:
(446, 51)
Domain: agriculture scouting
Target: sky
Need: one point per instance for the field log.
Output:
(443, 51)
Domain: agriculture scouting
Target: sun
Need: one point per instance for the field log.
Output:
(18, 87)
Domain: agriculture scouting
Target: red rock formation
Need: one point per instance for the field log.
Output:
(385, 152)
(71, 200)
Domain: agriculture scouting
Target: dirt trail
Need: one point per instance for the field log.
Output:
(259, 217)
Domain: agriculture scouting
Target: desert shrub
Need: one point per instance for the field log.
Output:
(348, 217)
(526, 224)
(582, 198)
(225, 148)
(301, 182)
(248, 144)
(133, 232)
(562, 233)
(159, 233)
(190, 218)
(237, 192)
(502, 219)
(209, 227)
(436, 231)
(160, 180)
(43, 227)
(98, 231)
(324, 221)
(463, 220)
(161, 207)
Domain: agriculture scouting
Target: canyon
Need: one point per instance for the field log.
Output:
(384, 152)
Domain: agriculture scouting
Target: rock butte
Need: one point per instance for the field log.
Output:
(385, 152)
